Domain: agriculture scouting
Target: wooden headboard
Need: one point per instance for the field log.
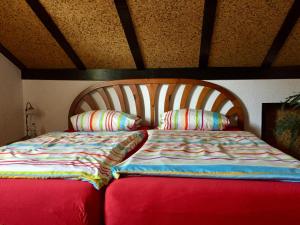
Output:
(148, 98)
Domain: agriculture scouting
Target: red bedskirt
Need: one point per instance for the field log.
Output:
(177, 201)
(49, 202)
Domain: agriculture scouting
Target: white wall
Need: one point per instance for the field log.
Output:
(53, 98)
(255, 92)
(11, 102)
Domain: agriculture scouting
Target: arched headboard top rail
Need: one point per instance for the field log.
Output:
(150, 97)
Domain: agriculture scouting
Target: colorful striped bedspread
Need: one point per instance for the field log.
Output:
(86, 156)
(210, 154)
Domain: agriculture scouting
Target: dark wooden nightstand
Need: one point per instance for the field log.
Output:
(271, 113)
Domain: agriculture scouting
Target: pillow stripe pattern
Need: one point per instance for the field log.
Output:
(192, 119)
(104, 120)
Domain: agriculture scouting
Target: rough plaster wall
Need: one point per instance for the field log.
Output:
(53, 98)
(11, 102)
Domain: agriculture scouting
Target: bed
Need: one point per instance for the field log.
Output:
(68, 172)
(155, 199)
(53, 201)
(78, 167)
(143, 199)
(165, 200)
(162, 184)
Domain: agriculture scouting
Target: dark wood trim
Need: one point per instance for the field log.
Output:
(215, 73)
(210, 7)
(265, 115)
(46, 19)
(127, 24)
(282, 35)
(11, 57)
(270, 116)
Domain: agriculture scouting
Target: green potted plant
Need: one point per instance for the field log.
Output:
(287, 128)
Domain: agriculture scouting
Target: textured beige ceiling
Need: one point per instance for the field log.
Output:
(244, 30)
(168, 31)
(94, 30)
(22, 33)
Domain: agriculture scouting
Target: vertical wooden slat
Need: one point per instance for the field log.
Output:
(170, 92)
(152, 88)
(219, 102)
(104, 97)
(203, 97)
(79, 110)
(239, 113)
(120, 97)
(91, 102)
(112, 106)
(231, 112)
(185, 95)
(137, 98)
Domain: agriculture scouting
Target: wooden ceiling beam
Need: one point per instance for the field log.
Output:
(210, 7)
(211, 73)
(48, 22)
(282, 35)
(11, 57)
(127, 24)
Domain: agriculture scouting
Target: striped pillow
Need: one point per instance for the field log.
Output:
(104, 120)
(192, 119)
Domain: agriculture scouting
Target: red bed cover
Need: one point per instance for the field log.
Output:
(49, 202)
(174, 201)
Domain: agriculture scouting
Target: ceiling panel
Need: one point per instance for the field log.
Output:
(244, 30)
(289, 55)
(22, 33)
(168, 31)
(94, 30)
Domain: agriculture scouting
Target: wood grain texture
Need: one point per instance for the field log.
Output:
(22, 33)
(168, 31)
(121, 98)
(94, 31)
(169, 94)
(153, 87)
(206, 91)
(137, 98)
(110, 100)
(185, 96)
(105, 98)
(244, 30)
(220, 101)
(91, 102)
(289, 55)
(78, 111)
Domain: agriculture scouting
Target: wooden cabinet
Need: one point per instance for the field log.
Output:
(281, 127)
